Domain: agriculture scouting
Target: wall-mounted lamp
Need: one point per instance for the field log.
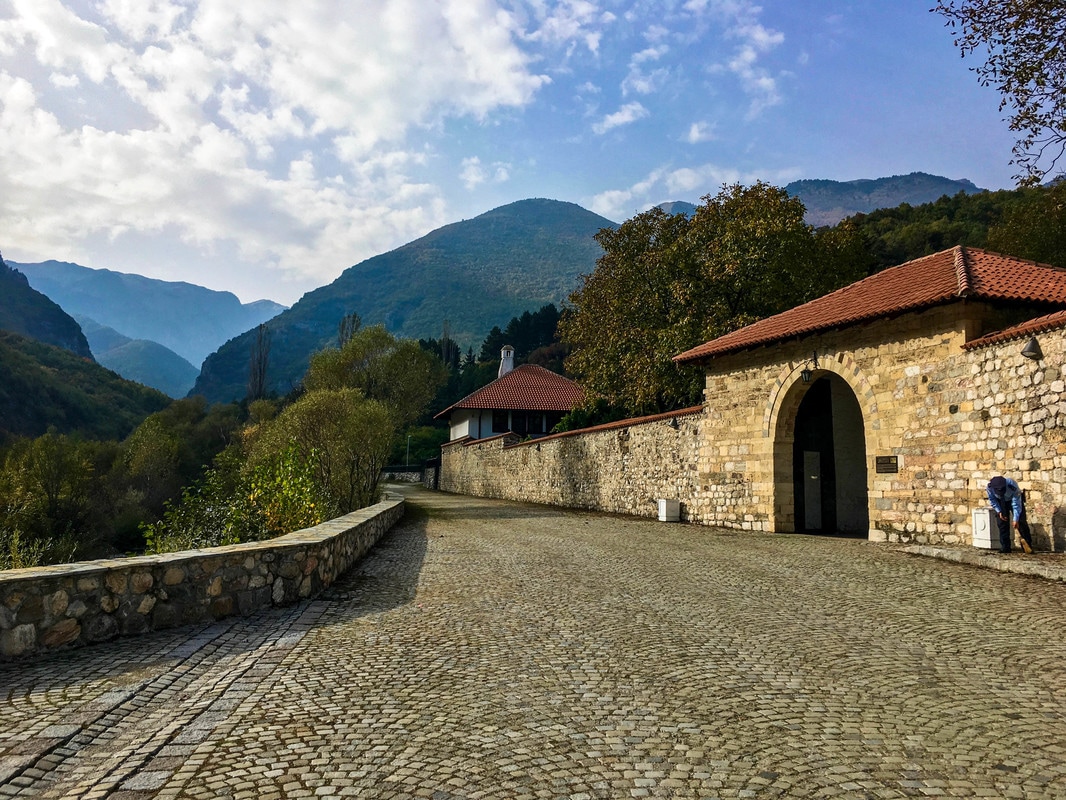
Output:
(1032, 350)
(673, 423)
(808, 370)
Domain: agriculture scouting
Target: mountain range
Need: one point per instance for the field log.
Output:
(188, 319)
(48, 378)
(828, 202)
(461, 279)
(140, 360)
(469, 275)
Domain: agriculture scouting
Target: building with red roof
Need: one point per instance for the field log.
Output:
(880, 410)
(883, 408)
(527, 400)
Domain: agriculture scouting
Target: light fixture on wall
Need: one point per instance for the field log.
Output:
(808, 370)
(1032, 350)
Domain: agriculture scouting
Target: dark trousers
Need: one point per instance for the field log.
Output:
(1005, 537)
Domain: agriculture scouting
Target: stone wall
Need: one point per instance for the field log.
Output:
(622, 467)
(76, 604)
(950, 412)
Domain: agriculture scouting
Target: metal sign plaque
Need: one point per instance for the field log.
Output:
(887, 464)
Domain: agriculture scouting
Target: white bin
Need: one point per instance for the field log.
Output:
(669, 510)
(985, 530)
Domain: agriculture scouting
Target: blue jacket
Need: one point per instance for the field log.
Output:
(1011, 495)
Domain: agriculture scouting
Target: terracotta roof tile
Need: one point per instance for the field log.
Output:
(525, 388)
(940, 278)
(1048, 322)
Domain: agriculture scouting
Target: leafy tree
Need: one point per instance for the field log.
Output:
(395, 372)
(348, 436)
(234, 502)
(1035, 226)
(46, 501)
(667, 282)
(627, 319)
(1025, 41)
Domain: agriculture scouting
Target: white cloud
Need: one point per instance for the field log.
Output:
(474, 173)
(63, 81)
(629, 113)
(641, 80)
(686, 183)
(568, 22)
(284, 133)
(740, 19)
(700, 132)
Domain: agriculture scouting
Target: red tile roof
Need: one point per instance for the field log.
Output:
(1048, 322)
(525, 388)
(961, 272)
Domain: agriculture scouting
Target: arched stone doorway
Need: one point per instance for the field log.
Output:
(820, 460)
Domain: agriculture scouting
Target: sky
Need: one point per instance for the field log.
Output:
(263, 147)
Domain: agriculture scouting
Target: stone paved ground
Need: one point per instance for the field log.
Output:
(497, 650)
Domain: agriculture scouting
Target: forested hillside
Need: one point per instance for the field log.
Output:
(1028, 223)
(25, 311)
(42, 387)
(140, 360)
(191, 320)
(828, 202)
(470, 274)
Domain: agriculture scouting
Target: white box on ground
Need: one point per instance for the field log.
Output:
(669, 510)
(985, 530)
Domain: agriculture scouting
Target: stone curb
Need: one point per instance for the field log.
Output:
(1034, 565)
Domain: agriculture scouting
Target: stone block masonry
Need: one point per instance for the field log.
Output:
(922, 393)
(622, 467)
(45, 608)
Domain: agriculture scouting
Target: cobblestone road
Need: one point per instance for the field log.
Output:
(492, 650)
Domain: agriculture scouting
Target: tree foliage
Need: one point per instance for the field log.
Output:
(1034, 227)
(395, 372)
(1025, 43)
(346, 438)
(667, 282)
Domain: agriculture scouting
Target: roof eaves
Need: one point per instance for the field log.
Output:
(1050, 322)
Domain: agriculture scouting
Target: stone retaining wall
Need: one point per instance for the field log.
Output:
(621, 467)
(947, 409)
(76, 604)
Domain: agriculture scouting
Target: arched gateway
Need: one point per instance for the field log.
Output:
(820, 469)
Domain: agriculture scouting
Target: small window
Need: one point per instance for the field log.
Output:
(501, 422)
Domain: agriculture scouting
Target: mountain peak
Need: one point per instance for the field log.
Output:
(829, 201)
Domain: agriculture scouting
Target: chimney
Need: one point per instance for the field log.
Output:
(506, 360)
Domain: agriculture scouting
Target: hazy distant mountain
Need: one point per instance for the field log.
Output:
(828, 202)
(472, 273)
(139, 360)
(43, 386)
(190, 320)
(26, 311)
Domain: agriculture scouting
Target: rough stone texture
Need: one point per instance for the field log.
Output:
(497, 650)
(92, 601)
(620, 469)
(953, 417)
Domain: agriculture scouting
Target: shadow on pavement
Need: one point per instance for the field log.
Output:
(387, 576)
